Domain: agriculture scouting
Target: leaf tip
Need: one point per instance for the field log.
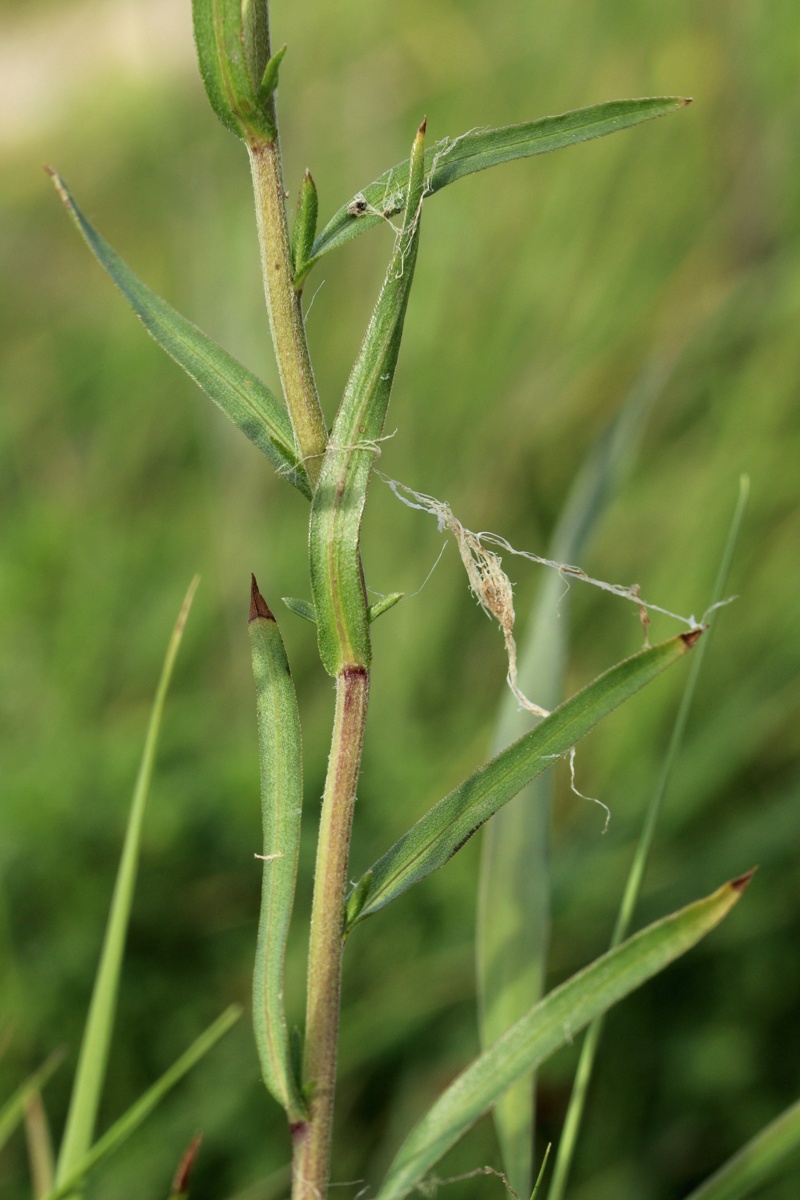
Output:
(58, 184)
(183, 615)
(180, 1184)
(686, 100)
(742, 881)
(258, 605)
(423, 127)
(383, 605)
(691, 637)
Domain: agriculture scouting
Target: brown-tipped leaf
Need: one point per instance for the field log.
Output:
(446, 827)
(180, 1182)
(549, 1025)
(281, 762)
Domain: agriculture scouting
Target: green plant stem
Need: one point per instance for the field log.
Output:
(284, 307)
(312, 1138)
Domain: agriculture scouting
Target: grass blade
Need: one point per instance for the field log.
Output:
(281, 762)
(445, 828)
(93, 1057)
(40, 1146)
(513, 918)
(238, 392)
(548, 1026)
(758, 1162)
(540, 1177)
(13, 1111)
(453, 158)
(337, 581)
(130, 1121)
(583, 1074)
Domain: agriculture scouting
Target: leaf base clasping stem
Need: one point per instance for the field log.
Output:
(284, 307)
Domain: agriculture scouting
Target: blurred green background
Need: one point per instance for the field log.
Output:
(545, 292)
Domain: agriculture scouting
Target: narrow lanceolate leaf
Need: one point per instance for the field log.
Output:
(281, 762)
(12, 1110)
(449, 824)
(548, 1026)
(93, 1058)
(304, 228)
(514, 891)
(130, 1121)
(240, 394)
(337, 581)
(761, 1160)
(453, 158)
(232, 39)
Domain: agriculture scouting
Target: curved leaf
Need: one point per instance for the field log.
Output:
(281, 762)
(446, 827)
(453, 158)
(548, 1026)
(238, 392)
